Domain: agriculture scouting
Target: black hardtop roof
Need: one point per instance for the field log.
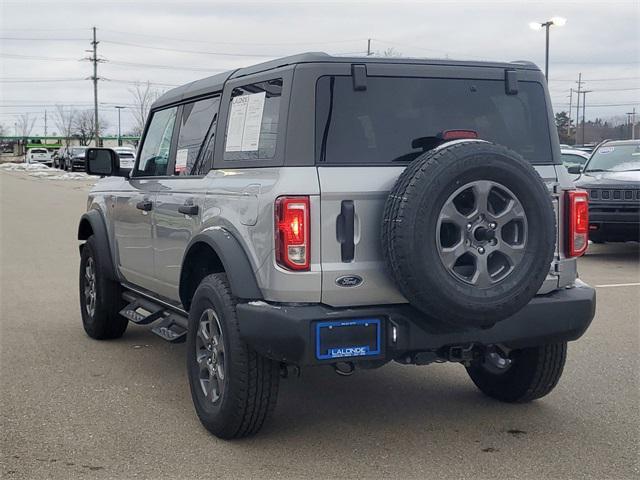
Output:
(216, 82)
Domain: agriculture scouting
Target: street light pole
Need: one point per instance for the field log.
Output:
(546, 50)
(119, 136)
(558, 21)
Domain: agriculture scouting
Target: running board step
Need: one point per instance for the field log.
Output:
(172, 329)
(171, 325)
(142, 312)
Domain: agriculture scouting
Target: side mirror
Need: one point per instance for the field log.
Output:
(575, 169)
(103, 162)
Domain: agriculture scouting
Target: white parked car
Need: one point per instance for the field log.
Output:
(39, 155)
(127, 156)
(574, 158)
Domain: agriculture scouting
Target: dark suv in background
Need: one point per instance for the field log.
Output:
(612, 178)
(71, 158)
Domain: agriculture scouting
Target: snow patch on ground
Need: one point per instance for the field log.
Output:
(40, 170)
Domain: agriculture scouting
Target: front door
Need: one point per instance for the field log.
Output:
(134, 211)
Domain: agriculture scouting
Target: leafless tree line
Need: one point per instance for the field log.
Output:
(72, 123)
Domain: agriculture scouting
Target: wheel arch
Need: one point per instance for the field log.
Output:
(214, 251)
(92, 223)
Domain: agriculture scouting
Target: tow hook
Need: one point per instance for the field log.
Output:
(287, 370)
(344, 369)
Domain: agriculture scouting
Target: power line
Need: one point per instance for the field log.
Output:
(198, 52)
(42, 39)
(597, 79)
(113, 62)
(217, 42)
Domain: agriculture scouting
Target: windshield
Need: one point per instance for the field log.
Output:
(396, 119)
(77, 151)
(615, 158)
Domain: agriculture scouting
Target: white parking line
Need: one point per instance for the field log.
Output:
(619, 285)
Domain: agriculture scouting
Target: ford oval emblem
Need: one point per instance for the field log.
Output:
(349, 281)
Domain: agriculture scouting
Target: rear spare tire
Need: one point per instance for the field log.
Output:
(469, 233)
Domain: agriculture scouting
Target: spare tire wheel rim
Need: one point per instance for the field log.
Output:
(481, 233)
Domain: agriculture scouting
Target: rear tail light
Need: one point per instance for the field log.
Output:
(292, 232)
(458, 134)
(578, 222)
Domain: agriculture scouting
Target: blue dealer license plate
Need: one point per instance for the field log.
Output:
(348, 338)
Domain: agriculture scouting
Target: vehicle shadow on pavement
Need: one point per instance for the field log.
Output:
(395, 400)
(388, 402)
(629, 251)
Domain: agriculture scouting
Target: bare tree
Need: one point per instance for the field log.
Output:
(391, 52)
(143, 96)
(25, 125)
(64, 120)
(84, 126)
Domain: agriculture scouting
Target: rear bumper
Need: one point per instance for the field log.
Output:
(286, 333)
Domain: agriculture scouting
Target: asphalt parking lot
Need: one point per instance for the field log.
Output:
(76, 408)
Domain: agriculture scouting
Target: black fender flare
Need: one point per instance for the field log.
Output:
(92, 223)
(233, 258)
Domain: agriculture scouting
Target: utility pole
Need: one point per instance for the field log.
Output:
(570, 106)
(368, 47)
(632, 117)
(119, 136)
(96, 125)
(584, 105)
(579, 82)
(45, 123)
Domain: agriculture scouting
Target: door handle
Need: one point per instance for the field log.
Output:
(189, 209)
(345, 230)
(145, 205)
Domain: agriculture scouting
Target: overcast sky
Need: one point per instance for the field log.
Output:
(174, 42)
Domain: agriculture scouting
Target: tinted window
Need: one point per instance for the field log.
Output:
(197, 124)
(396, 119)
(252, 126)
(154, 155)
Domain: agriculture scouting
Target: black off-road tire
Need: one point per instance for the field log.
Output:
(533, 374)
(409, 233)
(250, 380)
(106, 322)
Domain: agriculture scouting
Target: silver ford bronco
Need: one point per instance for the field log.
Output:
(318, 210)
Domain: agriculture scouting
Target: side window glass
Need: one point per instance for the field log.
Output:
(197, 128)
(252, 126)
(154, 156)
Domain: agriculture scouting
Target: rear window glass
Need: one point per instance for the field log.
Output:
(252, 126)
(396, 119)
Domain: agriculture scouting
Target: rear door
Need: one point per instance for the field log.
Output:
(134, 205)
(180, 199)
(367, 134)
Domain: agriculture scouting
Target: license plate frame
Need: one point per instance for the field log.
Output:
(370, 345)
